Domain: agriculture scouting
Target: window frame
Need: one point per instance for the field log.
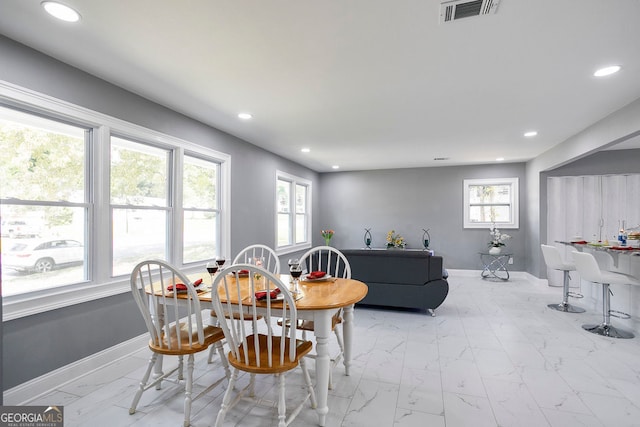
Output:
(295, 181)
(100, 284)
(514, 202)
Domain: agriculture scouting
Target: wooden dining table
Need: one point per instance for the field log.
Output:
(318, 301)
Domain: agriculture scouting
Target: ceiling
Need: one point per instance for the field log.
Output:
(365, 84)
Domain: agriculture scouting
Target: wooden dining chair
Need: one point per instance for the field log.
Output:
(174, 322)
(241, 301)
(333, 262)
(270, 261)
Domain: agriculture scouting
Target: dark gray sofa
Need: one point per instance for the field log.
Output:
(399, 278)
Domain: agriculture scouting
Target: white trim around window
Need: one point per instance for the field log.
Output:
(296, 241)
(502, 210)
(100, 284)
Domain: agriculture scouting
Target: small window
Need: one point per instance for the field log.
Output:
(491, 201)
(293, 213)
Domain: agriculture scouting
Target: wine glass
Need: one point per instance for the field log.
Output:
(296, 271)
(220, 261)
(212, 267)
(292, 261)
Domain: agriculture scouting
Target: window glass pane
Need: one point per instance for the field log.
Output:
(200, 183)
(489, 194)
(284, 234)
(301, 228)
(301, 198)
(42, 247)
(41, 159)
(138, 174)
(497, 214)
(284, 196)
(200, 236)
(137, 234)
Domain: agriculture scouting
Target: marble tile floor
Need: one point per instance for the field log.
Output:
(495, 355)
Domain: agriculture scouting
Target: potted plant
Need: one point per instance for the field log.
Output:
(497, 240)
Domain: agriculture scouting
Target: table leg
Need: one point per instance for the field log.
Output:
(322, 331)
(347, 332)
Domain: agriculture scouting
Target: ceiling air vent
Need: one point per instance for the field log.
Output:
(458, 9)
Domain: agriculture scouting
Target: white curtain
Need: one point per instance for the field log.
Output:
(592, 207)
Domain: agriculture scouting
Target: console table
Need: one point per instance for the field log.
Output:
(495, 266)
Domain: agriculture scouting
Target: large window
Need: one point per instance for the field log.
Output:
(201, 209)
(139, 203)
(489, 201)
(44, 207)
(85, 196)
(293, 211)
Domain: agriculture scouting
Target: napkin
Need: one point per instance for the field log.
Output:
(316, 275)
(181, 287)
(240, 273)
(260, 295)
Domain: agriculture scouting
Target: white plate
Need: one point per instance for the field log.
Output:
(323, 278)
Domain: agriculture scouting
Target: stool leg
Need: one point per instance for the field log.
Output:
(564, 305)
(605, 327)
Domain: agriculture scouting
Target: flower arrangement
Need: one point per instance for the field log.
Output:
(497, 237)
(327, 235)
(395, 240)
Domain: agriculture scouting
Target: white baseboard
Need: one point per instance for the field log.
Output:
(514, 274)
(24, 393)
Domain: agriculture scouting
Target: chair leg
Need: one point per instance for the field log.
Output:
(227, 399)
(282, 406)
(307, 380)
(143, 383)
(564, 305)
(187, 392)
(223, 359)
(180, 368)
(252, 385)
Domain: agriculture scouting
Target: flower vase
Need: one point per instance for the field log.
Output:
(327, 241)
(495, 250)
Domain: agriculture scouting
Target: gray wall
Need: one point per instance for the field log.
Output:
(37, 344)
(408, 200)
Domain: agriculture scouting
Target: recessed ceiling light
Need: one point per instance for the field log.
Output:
(335, 167)
(606, 71)
(306, 150)
(500, 159)
(530, 133)
(245, 116)
(61, 11)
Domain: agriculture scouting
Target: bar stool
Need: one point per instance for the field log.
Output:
(554, 261)
(588, 269)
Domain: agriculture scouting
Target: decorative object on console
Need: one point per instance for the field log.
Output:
(395, 240)
(327, 235)
(497, 240)
(367, 238)
(426, 238)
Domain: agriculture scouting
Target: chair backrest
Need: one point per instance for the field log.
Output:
(327, 259)
(234, 300)
(552, 258)
(587, 267)
(167, 314)
(271, 260)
